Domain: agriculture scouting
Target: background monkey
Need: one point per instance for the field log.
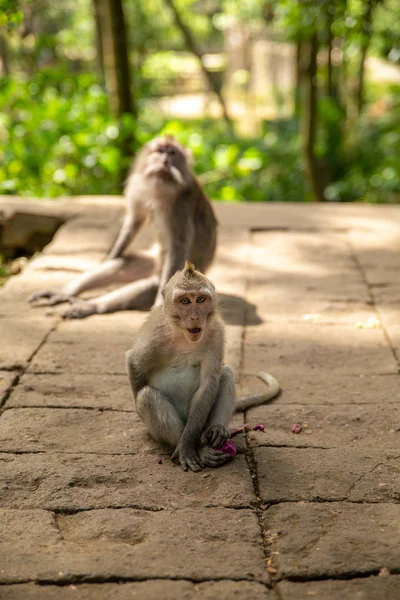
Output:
(183, 392)
(161, 188)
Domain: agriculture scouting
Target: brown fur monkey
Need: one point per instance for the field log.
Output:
(183, 392)
(161, 188)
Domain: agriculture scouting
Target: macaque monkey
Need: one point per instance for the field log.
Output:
(182, 390)
(161, 188)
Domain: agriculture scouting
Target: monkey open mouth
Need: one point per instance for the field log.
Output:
(195, 330)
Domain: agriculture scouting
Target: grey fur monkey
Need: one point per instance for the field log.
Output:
(183, 392)
(161, 188)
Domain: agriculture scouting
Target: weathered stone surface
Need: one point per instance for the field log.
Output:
(27, 230)
(94, 345)
(351, 426)
(97, 354)
(347, 350)
(73, 390)
(83, 234)
(66, 482)
(306, 386)
(20, 339)
(129, 543)
(66, 262)
(71, 430)
(145, 590)
(369, 588)
(292, 474)
(14, 296)
(336, 539)
(7, 379)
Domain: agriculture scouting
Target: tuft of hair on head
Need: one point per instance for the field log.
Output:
(189, 269)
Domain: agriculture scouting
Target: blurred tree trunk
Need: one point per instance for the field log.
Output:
(99, 45)
(5, 63)
(193, 48)
(297, 91)
(308, 71)
(329, 78)
(111, 27)
(364, 45)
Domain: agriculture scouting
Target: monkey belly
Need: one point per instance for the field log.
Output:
(179, 383)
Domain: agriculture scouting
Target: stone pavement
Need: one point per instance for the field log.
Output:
(310, 292)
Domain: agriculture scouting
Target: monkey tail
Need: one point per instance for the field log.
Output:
(255, 399)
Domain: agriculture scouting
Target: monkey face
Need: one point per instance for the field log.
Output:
(166, 159)
(190, 312)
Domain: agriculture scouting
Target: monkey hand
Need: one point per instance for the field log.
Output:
(52, 297)
(188, 457)
(79, 310)
(215, 436)
(213, 458)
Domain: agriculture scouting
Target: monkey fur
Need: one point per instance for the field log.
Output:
(182, 390)
(163, 189)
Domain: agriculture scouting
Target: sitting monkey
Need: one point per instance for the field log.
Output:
(183, 392)
(161, 188)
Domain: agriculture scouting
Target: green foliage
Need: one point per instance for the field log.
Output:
(57, 138)
(257, 170)
(371, 155)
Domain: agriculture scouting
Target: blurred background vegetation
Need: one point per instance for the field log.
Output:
(279, 100)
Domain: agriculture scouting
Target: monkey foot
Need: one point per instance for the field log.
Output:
(52, 298)
(216, 436)
(188, 460)
(213, 458)
(79, 310)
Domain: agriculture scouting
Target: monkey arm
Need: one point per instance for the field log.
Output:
(202, 403)
(130, 227)
(136, 378)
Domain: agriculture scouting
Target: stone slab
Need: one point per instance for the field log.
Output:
(94, 345)
(127, 543)
(71, 430)
(85, 234)
(309, 474)
(73, 390)
(308, 386)
(20, 339)
(369, 588)
(145, 590)
(347, 350)
(323, 216)
(72, 482)
(7, 379)
(333, 540)
(66, 262)
(350, 426)
(97, 354)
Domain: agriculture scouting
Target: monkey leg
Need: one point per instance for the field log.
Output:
(159, 415)
(216, 431)
(117, 270)
(138, 295)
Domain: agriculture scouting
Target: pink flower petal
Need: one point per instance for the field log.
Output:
(296, 428)
(259, 427)
(229, 448)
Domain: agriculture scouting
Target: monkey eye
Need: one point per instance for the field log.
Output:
(185, 301)
(200, 299)
(171, 151)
